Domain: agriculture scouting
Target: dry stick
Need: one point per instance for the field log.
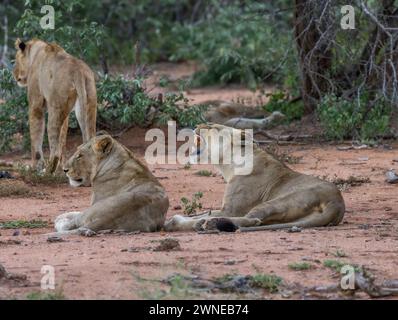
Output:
(286, 137)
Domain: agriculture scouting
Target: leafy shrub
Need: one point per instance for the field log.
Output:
(237, 43)
(125, 102)
(73, 31)
(279, 101)
(122, 102)
(13, 113)
(342, 118)
(191, 206)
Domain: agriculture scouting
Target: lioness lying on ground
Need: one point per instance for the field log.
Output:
(58, 82)
(272, 196)
(126, 195)
(240, 116)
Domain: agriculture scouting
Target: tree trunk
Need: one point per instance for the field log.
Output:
(311, 24)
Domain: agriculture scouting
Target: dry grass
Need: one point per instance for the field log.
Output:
(30, 175)
(18, 188)
(12, 187)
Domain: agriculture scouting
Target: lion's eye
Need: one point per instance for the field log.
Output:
(78, 157)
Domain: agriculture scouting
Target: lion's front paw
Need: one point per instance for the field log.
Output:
(66, 221)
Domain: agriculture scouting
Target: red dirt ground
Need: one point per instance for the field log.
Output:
(103, 267)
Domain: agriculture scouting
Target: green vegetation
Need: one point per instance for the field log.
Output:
(191, 206)
(18, 224)
(280, 101)
(13, 187)
(124, 102)
(30, 175)
(249, 42)
(336, 265)
(299, 266)
(39, 295)
(266, 281)
(204, 173)
(342, 118)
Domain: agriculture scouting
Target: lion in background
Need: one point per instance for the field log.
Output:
(126, 195)
(240, 116)
(59, 82)
(272, 196)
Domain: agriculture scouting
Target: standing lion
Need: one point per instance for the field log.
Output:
(62, 83)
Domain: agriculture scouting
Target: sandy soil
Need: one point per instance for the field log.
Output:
(114, 266)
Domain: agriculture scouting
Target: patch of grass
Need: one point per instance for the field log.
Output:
(18, 224)
(340, 254)
(180, 288)
(30, 175)
(187, 166)
(299, 266)
(269, 282)
(225, 278)
(191, 206)
(336, 265)
(39, 295)
(12, 187)
(204, 173)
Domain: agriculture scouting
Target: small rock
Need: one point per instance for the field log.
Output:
(229, 262)
(52, 239)
(391, 176)
(16, 233)
(363, 158)
(294, 229)
(168, 244)
(177, 207)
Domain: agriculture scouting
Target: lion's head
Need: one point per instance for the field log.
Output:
(21, 67)
(83, 165)
(217, 141)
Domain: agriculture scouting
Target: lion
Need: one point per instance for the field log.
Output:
(270, 197)
(126, 195)
(240, 116)
(62, 83)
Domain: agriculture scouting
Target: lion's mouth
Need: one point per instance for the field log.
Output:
(75, 182)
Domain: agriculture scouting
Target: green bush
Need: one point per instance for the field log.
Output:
(124, 102)
(237, 43)
(357, 119)
(13, 113)
(279, 101)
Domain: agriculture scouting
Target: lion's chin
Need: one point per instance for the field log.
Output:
(75, 183)
(21, 84)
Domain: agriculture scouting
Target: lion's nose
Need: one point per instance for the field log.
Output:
(66, 170)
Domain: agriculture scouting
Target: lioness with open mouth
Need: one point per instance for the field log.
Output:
(126, 195)
(271, 196)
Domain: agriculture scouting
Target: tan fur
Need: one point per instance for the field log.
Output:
(272, 196)
(126, 195)
(240, 116)
(60, 82)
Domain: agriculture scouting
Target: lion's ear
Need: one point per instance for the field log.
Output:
(19, 44)
(103, 145)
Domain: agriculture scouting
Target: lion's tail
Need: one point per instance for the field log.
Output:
(332, 214)
(87, 98)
